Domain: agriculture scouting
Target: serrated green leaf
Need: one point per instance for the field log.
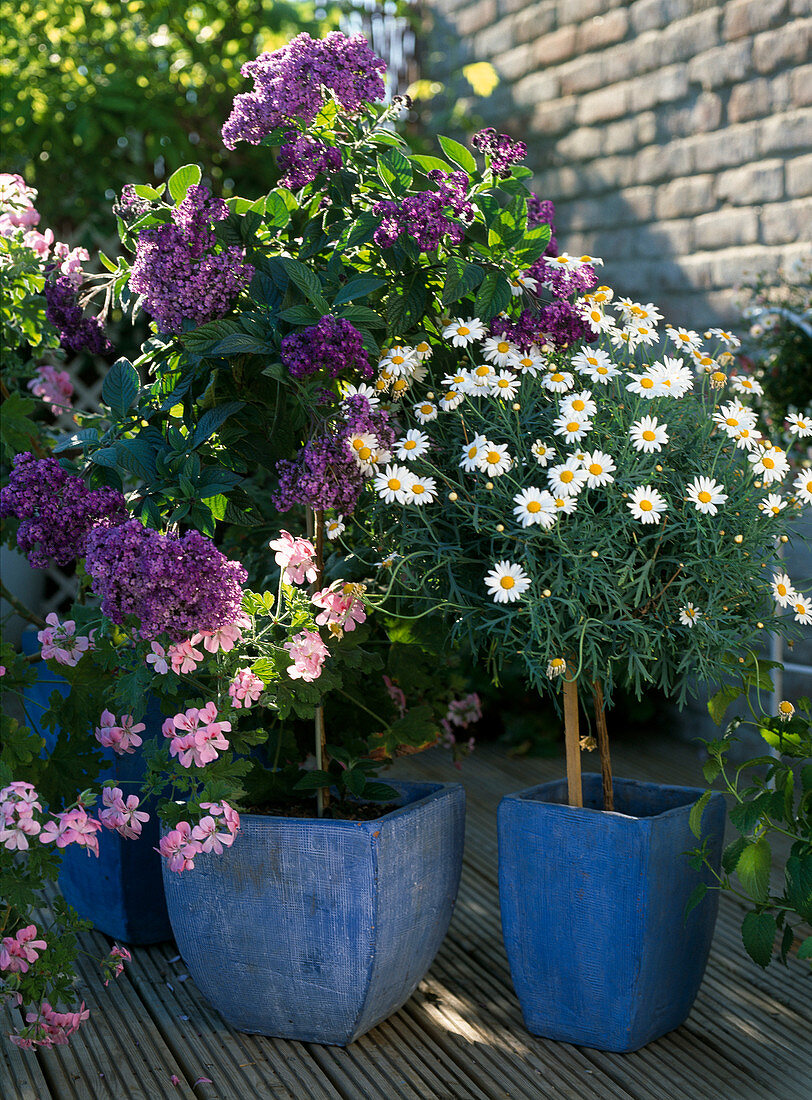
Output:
(429, 163)
(212, 419)
(181, 180)
(306, 280)
(120, 387)
(695, 816)
(753, 869)
(805, 950)
(718, 703)
(301, 315)
(354, 780)
(758, 937)
(313, 781)
(458, 154)
(460, 279)
(380, 792)
(697, 894)
(493, 296)
(358, 287)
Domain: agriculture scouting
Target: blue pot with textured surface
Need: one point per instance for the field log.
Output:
(318, 930)
(593, 909)
(121, 891)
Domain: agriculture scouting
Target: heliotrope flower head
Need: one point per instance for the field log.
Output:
(333, 345)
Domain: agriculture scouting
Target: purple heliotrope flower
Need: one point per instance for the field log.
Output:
(290, 84)
(301, 159)
(423, 216)
(333, 345)
(57, 510)
(542, 212)
(177, 585)
(177, 270)
(77, 332)
(503, 151)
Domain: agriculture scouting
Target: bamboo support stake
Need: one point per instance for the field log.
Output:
(575, 794)
(315, 527)
(603, 745)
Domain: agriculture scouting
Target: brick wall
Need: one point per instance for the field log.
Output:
(674, 136)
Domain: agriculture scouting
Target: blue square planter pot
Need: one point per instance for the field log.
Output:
(319, 930)
(121, 891)
(593, 909)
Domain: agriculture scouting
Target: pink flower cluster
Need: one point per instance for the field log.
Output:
(211, 834)
(342, 608)
(308, 652)
(224, 639)
(122, 815)
(196, 737)
(121, 736)
(296, 558)
(53, 385)
(18, 952)
(73, 827)
(18, 216)
(245, 688)
(113, 964)
(461, 713)
(47, 1027)
(18, 802)
(61, 643)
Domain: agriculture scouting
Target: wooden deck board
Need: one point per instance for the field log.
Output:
(461, 1037)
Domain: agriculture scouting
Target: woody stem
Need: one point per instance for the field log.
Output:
(603, 745)
(575, 795)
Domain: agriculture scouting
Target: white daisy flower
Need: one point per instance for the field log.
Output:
(451, 399)
(597, 319)
(702, 361)
(505, 385)
(507, 582)
(802, 609)
(642, 333)
(684, 338)
(400, 360)
(646, 504)
(622, 338)
(421, 490)
(644, 385)
(672, 375)
(747, 439)
(333, 528)
(572, 427)
(567, 479)
(425, 412)
(785, 710)
(772, 505)
(361, 391)
(647, 312)
(783, 592)
(423, 350)
(557, 381)
(472, 452)
(364, 446)
(602, 373)
(799, 425)
(598, 467)
(706, 494)
(587, 359)
(393, 484)
(500, 351)
(462, 332)
(734, 417)
(721, 334)
(456, 381)
(689, 614)
(771, 463)
(534, 505)
(648, 435)
(742, 384)
(580, 403)
(803, 486)
(542, 451)
(565, 505)
(522, 281)
(564, 262)
(530, 361)
(494, 459)
(556, 666)
(400, 386)
(482, 376)
(413, 445)
(595, 261)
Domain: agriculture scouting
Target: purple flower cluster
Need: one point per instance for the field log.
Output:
(177, 271)
(129, 206)
(325, 473)
(562, 283)
(422, 216)
(542, 212)
(291, 82)
(76, 331)
(333, 345)
(302, 158)
(173, 585)
(501, 149)
(562, 325)
(57, 510)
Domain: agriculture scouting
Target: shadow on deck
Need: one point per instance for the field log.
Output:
(461, 1035)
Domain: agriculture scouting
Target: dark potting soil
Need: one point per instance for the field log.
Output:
(305, 807)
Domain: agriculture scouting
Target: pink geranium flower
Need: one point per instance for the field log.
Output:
(245, 688)
(342, 609)
(113, 964)
(184, 657)
(308, 652)
(158, 659)
(61, 643)
(296, 558)
(18, 952)
(179, 847)
(120, 814)
(223, 639)
(73, 827)
(196, 737)
(53, 385)
(121, 736)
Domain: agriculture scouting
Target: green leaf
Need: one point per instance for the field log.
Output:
(211, 420)
(697, 895)
(429, 163)
(805, 950)
(380, 792)
(695, 816)
(460, 279)
(361, 316)
(395, 171)
(718, 703)
(241, 343)
(301, 315)
(277, 214)
(358, 287)
(746, 815)
(354, 780)
(493, 296)
(710, 769)
(144, 191)
(753, 869)
(313, 781)
(306, 280)
(182, 180)
(730, 856)
(363, 230)
(458, 153)
(120, 386)
(758, 936)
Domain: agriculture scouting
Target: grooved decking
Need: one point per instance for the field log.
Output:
(461, 1035)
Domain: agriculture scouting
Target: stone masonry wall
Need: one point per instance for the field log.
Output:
(674, 136)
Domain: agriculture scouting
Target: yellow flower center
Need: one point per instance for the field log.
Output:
(422, 347)
(417, 488)
(557, 662)
(649, 436)
(399, 385)
(502, 347)
(507, 582)
(463, 331)
(595, 315)
(785, 707)
(557, 377)
(561, 259)
(704, 496)
(573, 426)
(398, 359)
(781, 589)
(560, 502)
(394, 484)
(767, 463)
(646, 383)
(809, 486)
(578, 405)
(450, 395)
(427, 409)
(732, 422)
(602, 370)
(775, 509)
(684, 337)
(593, 362)
(410, 444)
(566, 476)
(533, 507)
(595, 468)
(358, 444)
(365, 453)
(493, 457)
(472, 451)
(504, 383)
(718, 377)
(483, 371)
(800, 609)
(646, 506)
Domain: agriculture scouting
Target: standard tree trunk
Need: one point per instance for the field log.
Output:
(603, 745)
(572, 741)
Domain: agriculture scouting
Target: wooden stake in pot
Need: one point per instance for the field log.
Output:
(603, 745)
(575, 795)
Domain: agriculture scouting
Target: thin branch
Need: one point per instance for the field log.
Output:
(23, 611)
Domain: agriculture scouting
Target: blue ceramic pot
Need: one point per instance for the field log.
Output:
(121, 891)
(318, 930)
(593, 909)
